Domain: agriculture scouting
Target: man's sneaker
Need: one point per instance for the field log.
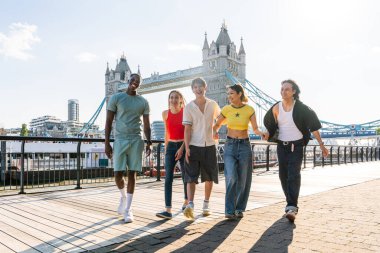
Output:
(122, 205)
(206, 209)
(128, 216)
(239, 214)
(189, 212)
(230, 216)
(164, 215)
(291, 215)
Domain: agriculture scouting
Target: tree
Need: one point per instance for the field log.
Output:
(378, 131)
(24, 130)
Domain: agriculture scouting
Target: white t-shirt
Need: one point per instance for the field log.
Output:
(201, 123)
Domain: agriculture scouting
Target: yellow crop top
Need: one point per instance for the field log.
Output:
(238, 118)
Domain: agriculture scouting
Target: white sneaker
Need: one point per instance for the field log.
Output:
(206, 209)
(291, 215)
(122, 205)
(128, 216)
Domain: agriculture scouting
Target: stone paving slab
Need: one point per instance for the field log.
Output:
(346, 219)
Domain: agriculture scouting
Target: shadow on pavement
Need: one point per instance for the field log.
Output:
(276, 238)
(210, 240)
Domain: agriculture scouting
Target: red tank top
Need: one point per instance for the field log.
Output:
(174, 125)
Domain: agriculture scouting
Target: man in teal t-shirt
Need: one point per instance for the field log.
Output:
(127, 108)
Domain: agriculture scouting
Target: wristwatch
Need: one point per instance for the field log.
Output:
(149, 143)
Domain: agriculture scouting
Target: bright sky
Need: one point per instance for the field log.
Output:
(52, 51)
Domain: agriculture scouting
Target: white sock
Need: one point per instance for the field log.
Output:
(123, 192)
(205, 204)
(129, 201)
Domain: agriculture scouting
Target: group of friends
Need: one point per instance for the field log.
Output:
(191, 135)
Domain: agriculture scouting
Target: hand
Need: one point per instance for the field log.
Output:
(178, 154)
(325, 151)
(265, 136)
(108, 150)
(147, 150)
(187, 155)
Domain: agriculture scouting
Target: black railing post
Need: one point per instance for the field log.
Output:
(371, 153)
(338, 155)
(345, 155)
(350, 154)
(304, 157)
(331, 155)
(314, 157)
(357, 154)
(267, 151)
(78, 166)
(362, 154)
(323, 159)
(22, 167)
(3, 160)
(375, 153)
(366, 154)
(159, 162)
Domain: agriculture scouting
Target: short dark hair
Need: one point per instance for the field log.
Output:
(239, 89)
(134, 74)
(198, 80)
(294, 87)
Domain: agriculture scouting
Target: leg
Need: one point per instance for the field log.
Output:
(119, 179)
(131, 181)
(294, 176)
(182, 163)
(169, 171)
(230, 173)
(283, 169)
(244, 171)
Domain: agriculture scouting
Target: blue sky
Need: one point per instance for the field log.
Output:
(52, 51)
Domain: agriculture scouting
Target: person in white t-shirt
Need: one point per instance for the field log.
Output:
(200, 159)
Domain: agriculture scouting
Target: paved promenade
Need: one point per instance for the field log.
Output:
(339, 212)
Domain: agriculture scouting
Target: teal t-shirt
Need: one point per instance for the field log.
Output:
(128, 111)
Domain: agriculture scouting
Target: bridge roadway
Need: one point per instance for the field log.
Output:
(339, 212)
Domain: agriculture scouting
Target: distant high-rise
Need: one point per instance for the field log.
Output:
(73, 112)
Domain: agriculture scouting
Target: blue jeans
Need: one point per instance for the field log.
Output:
(238, 174)
(290, 172)
(170, 162)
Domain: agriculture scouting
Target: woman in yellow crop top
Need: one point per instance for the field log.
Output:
(237, 150)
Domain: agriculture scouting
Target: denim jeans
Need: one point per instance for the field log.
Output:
(170, 162)
(290, 172)
(238, 174)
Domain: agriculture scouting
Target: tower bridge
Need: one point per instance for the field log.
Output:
(222, 65)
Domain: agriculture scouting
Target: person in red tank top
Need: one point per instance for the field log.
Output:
(174, 148)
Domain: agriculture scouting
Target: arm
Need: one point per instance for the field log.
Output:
(256, 128)
(217, 126)
(147, 133)
(187, 141)
(317, 136)
(108, 127)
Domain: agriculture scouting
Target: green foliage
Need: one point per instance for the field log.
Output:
(24, 130)
(378, 131)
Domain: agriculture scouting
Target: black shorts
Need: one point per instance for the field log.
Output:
(202, 161)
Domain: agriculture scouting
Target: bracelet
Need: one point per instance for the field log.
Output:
(322, 143)
(149, 143)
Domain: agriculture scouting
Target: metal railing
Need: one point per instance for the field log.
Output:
(43, 162)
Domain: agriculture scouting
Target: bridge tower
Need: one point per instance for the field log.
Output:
(218, 57)
(113, 78)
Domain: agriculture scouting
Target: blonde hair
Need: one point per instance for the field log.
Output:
(182, 102)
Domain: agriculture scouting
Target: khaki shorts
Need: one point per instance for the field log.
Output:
(127, 154)
(202, 161)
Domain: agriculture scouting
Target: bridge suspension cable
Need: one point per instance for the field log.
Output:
(87, 126)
